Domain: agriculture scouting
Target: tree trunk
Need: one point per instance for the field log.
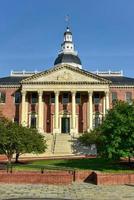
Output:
(9, 157)
(129, 160)
(17, 158)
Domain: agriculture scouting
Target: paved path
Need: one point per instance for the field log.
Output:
(75, 191)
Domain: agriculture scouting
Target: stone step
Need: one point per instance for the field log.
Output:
(63, 144)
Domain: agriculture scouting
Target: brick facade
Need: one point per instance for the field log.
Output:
(11, 110)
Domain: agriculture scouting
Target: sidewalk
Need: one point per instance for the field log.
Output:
(75, 191)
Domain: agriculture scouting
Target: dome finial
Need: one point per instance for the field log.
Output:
(67, 19)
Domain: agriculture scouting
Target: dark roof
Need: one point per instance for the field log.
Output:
(120, 80)
(11, 80)
(68, 32)
(116, 80)
(67, 58)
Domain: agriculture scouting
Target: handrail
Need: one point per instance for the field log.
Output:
(72, 143)
(53, 143)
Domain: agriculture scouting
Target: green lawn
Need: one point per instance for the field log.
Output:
(82, 164)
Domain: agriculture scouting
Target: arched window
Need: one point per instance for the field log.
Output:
(2, 97)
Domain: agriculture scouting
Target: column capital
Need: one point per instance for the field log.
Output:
(90, 93)
(73, 92)
(23, 92)
(40, 92)
(107, 92)
(57, 92)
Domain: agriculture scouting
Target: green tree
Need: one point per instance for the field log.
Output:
(29, 141)
(114, 138)
(8, 139)
(15, 139)
(117, 131)
(90, 138)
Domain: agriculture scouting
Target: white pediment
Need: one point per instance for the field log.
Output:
(64, 74)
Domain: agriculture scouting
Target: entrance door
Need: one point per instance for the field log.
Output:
(65, 125)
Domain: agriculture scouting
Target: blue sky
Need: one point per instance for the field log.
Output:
(31, 32)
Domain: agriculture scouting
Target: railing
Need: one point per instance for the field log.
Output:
(72, 143)
(53, 143)
(108, 73)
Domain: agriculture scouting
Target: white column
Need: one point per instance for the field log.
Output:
(40, 112)
(90, 111)
(73, 112)
(104, 105)
(56, 119)
(23, 109)
(107, 101)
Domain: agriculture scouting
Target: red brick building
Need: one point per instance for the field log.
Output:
(65, 98)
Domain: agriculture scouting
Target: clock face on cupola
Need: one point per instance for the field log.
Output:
(67, 54)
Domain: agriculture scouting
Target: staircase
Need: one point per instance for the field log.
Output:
(63, 145)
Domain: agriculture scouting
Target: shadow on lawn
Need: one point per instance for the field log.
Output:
(94, 164)
(97, 164)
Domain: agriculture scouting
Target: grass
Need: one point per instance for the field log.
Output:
(97, 164)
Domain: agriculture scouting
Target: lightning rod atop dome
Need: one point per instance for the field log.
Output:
(67, 20)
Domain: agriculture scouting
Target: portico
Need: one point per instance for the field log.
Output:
(77, 115)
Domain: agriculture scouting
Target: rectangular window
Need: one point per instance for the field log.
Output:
(114, 96)
(128, 97)
(2, 97)
(33, 121)
(65, 98)
(16, 120)
(34, 98)
(78, 98)
(17, 97)
(96, 98)
(97, 121)
(52, 100)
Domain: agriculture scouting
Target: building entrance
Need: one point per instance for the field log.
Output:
(65, 128)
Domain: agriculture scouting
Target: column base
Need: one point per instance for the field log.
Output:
(24, 124)
(41, 130)
(73, 133)
(89, 129)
